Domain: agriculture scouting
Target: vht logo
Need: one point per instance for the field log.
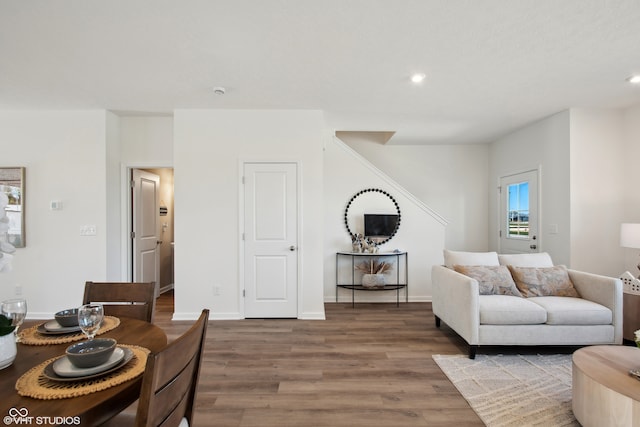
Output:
(21, 417)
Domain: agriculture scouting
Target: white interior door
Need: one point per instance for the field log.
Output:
(145, 196)
(519, 221)
(270, 240)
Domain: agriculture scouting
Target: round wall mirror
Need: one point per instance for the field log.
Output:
(374, 213)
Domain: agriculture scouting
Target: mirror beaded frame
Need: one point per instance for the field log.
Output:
(359, 193)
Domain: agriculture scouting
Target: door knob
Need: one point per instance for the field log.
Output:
(532, 247)
(292, 248)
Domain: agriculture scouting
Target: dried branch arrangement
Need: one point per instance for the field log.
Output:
(373, 267)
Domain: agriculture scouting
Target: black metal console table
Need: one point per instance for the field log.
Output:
(401, 280)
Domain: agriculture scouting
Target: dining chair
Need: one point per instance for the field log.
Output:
(169, 382)
(129, 299)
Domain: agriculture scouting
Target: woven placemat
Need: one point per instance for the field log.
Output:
(34, 384)
(31, 336)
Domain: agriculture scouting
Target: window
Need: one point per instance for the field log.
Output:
(518, 214)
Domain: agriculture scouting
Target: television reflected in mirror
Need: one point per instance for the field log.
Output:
(380, 225)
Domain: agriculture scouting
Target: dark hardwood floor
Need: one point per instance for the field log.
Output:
(365, 366)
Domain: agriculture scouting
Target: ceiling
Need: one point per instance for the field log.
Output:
(492, 66)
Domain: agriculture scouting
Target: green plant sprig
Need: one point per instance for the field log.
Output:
(5, 325)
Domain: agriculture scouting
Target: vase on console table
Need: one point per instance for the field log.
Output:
(373, 280)
(8, 348)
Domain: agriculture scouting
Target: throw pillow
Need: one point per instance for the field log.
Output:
(452, 258)
(492, 279)
(540, 260)
(541, 282)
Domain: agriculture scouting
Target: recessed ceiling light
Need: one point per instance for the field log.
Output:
(635, 79)
(418, 77)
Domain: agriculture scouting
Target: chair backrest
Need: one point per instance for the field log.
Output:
(128, 299)
(171, 378)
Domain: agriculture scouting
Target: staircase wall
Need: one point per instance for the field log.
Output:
(421, 233)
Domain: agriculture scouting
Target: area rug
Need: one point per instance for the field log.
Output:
(514, 390)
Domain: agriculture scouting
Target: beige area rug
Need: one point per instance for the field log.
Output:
(514, 390)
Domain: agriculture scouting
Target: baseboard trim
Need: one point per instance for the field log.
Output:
(166, 288)
(344, 299)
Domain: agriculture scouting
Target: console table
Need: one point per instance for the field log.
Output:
(354, 283)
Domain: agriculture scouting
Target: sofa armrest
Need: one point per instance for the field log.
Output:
(603, 290)
(456, 301)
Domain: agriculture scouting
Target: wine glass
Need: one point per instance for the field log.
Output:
(16, 310)
(90, 318)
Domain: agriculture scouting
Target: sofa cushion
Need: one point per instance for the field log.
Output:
(573, 311)
(452, 258)
(509, 310)
(539, 282)
(492, 279)
(542, 259)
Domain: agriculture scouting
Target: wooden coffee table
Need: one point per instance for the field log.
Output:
(604, 394)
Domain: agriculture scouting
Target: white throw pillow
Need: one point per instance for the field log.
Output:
(452, 258)
(537, 260)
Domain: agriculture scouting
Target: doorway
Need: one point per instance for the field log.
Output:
(270, 218)
(519, 219)
(151, 222)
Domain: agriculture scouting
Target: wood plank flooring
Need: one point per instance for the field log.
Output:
(365, 366)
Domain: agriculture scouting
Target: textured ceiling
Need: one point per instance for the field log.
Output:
(492, 66)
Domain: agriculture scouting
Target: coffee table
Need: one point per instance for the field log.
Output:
(604, 394)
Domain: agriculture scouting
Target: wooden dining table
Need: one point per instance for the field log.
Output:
(91, 409)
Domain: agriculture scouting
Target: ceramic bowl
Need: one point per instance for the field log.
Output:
(67, 318)
(87, 354)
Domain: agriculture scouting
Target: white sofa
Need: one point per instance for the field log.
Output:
(593, 318)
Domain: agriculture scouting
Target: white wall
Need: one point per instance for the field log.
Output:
(421, 233)
(544, 145)
(112, 163)
(452, 180)
(208, 150)
(77, 157)
(64, 155)
(631, 181)
(598, 189)
(586, 159)
(142, 142)
(147, 140)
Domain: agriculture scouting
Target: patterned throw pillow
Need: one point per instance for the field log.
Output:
(540, 282)
(493, 279)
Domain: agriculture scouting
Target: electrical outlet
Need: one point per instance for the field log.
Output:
(216, 290)
(88, 230)
(18, 290)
